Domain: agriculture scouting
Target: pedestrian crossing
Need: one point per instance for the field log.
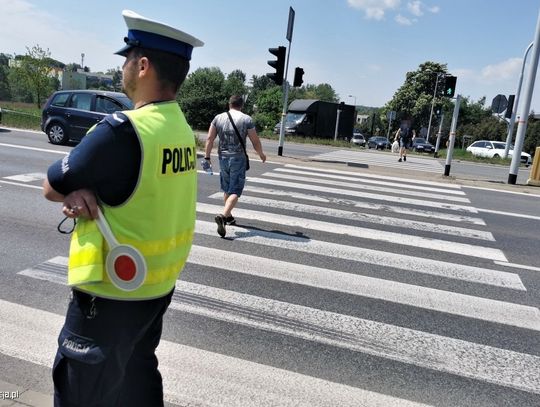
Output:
(335, 265)
(375, 158)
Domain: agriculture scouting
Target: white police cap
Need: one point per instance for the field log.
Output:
(146, 33)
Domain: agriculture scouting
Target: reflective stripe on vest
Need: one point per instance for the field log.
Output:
(159, 217)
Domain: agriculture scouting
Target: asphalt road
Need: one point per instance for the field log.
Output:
(340, 286)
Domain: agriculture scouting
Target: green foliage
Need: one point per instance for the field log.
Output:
(21, 115)
(412, 101)
(269, 108)
(532, 136)
(33, 70)
(202, 96)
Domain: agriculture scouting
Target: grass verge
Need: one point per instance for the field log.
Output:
(20, 115)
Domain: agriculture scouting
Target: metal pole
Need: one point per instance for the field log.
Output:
(516, 101)
(388, 132)
(337, 124)
(452, 138)
(524, 114)
(432, 105)
(290, 26)
(285, 100)
(438, 143)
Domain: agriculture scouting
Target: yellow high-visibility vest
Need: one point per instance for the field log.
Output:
(159, 217)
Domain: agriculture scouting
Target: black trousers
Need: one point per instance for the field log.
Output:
(106, 353)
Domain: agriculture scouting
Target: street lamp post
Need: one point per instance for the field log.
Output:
(352, 96)
(516, 101)
(433, 104)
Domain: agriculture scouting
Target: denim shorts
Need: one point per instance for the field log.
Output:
(232, 174)
(405, 143)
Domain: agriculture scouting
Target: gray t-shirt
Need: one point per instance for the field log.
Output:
(228, 141)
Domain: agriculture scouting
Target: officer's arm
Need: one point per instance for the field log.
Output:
(212, 133)
(50, 193)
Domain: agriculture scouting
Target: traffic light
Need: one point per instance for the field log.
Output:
(449, 86)
(278, 65)
(298, 74)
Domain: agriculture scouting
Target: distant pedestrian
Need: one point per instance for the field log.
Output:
(395, 144)
(233, 128)
(404, 143)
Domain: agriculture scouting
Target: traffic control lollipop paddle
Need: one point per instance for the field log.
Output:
(125, 265)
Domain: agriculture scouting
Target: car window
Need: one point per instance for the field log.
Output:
(106, 105)
(60, 99)
(479, 144)
(500, 146)
(81, 101)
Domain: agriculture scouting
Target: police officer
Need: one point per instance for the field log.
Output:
(139, 167)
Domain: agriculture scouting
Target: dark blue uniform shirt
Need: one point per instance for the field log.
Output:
(107, 161)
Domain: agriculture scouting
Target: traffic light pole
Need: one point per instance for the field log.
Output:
(285, 100)
(452, 138)
(290, 27)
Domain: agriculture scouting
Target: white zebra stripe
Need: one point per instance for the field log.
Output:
(214, 380)
(363, 233)
(365, 217)
(366, 205)
(353, 178)
(356, 186)
(365, 195)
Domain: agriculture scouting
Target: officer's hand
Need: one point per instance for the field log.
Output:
(262, 156)
(81, 203)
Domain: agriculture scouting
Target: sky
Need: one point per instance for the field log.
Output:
(362, 48)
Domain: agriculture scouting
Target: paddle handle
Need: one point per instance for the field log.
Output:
(105, 230)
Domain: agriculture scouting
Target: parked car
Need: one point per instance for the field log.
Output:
(378, 142)
(68, 114)
(358, 139)
(420, 145)
(495, 149)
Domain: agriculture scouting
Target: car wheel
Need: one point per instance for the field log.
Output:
(57, 133)
(496, 156)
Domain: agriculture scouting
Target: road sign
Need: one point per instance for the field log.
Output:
(499, 103)
(391, 115)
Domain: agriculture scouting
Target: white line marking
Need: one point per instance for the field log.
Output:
(516, 215)
(368, 256)
(351, 177)
(366, 205)
(365, 195)
(35, 176)
(363, 233)
(365, 217)
(486, 363)
(530, 195)
(375, 176)
(215, 380)
(519, 266)
(20, 185)
(439, 353)
(34, 149)
(401, 293)
(357, 186)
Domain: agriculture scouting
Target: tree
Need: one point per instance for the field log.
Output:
(202, 96)
(5, 91)
(322, 91)
(33, 70)
(412, 101)
(269, 105)
(117, 78)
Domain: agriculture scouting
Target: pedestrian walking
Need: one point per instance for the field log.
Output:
(138, 168)
(233, 128)
(404, 143)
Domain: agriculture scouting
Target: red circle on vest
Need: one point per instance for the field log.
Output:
(125, 268)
